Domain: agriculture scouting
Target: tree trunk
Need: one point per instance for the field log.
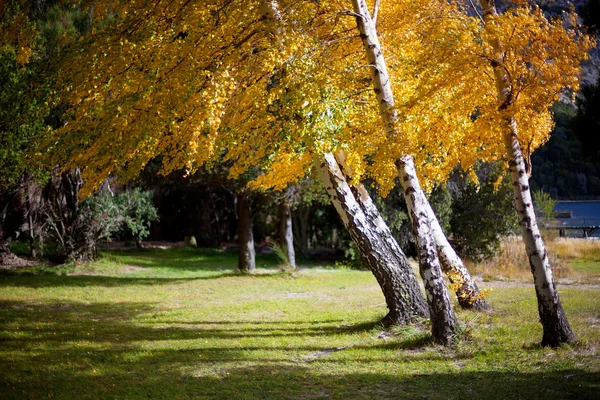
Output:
(467, 293)
(391, 269)
(30, 225)
(286, 234)
(246, 252)
(442, 315)
(300, 226)
(443, 320)
(554, 321)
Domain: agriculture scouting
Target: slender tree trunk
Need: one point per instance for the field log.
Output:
(299, 225)
(443, 320)
(391, 269)
(442, 315)
(554, 321)
(30, 226)
(467, 293)
(286, 234)
(246, 252)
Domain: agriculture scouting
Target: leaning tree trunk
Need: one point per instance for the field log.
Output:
(246, 252)
(443, 320)
(391, 269)
(442, 315)
(467, 292)
(286, 233)
(556, 328)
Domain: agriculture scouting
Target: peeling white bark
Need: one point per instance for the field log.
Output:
(556, 328)
(443, 319)
(379, 250)
(467, 293)
(442, 315)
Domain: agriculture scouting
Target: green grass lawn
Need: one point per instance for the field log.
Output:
(589, 267)
(180, 323)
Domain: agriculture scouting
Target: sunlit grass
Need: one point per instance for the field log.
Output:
(181, 323)
(572, 259)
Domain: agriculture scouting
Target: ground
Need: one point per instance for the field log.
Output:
(180, 323)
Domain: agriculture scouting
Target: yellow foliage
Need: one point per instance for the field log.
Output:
(196, 82)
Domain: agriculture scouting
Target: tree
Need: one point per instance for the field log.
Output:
(366, 227)
(442, 315)
(24, 104)
(519, 66)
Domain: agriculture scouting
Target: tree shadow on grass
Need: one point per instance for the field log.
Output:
(136, 321)
(170, 374)
(124, 350)
(52, 280)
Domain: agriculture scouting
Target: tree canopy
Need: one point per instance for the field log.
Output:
(196, 83)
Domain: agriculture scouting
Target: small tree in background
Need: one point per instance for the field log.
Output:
(545, 204)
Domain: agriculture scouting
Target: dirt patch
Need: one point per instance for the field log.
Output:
(12, 261)
(130, 269)
(312, 356)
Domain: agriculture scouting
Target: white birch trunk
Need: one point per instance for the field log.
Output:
(442, 315)
(556, 328)
(286, 234)
(467, 293)
(443, 320)
(391, 269)
(379, 250)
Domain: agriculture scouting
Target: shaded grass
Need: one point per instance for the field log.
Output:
(186, 326)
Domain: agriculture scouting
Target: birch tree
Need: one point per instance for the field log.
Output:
(369, 232)
(547, 49)
(442, 316)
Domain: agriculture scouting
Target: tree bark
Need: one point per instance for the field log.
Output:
(442, 315)
(286, 234)
(467, 293)
(391, 269)
(556, 328)
(443, 320)
(30, 224)
(246, 252)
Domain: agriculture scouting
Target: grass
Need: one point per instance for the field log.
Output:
(572, 259)
(181, 323)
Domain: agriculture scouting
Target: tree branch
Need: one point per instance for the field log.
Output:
(477, 12)
(375, 12)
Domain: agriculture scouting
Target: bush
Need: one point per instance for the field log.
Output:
(76, 228)
(482, 214)
(137, 211)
